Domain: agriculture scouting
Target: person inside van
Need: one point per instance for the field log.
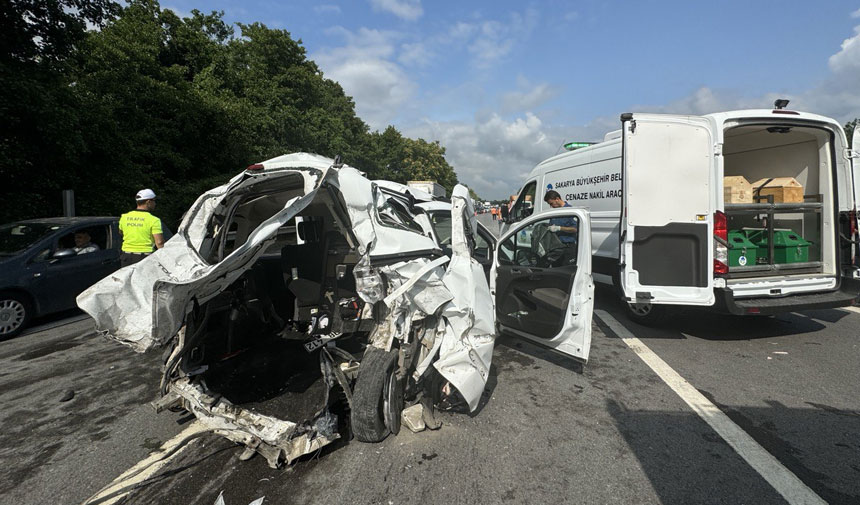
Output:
(564, 227)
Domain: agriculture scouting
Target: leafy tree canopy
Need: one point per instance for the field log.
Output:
(176, 104)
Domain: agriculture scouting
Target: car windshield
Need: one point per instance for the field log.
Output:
(16, 237)
(442, 226)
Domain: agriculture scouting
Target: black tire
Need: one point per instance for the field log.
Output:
(646, 314)
(367, 416)
(15, 313)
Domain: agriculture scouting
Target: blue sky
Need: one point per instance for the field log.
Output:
(503, 83)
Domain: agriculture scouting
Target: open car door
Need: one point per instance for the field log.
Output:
(667, 217)
(541, 280)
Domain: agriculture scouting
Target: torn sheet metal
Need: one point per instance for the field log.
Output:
(466, 333)
(466, 350)
(383, 239)
(286, 441)
(144, 305)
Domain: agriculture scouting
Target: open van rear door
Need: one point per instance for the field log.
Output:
(855, 174)
(541, 280)
(667, 218)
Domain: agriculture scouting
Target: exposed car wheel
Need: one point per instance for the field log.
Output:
(646, 314)
(15, 313)
(375, 389)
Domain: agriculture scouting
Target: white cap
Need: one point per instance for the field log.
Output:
(145, 194)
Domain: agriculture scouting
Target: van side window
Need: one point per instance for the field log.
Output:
(524, 206)
(548, 243)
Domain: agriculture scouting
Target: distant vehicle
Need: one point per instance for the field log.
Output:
(432, 187)
(40, 271)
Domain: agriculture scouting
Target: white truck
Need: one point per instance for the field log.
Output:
(661, 228)
(432, 187)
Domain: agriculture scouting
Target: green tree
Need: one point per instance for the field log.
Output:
(39, 121)
(426, 161)
(175, 104)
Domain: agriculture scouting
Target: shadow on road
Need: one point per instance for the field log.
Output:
(818, 445)
(703, 323)
(539, 352)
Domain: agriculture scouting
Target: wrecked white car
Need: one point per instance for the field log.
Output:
(301, 290)
(301, 298)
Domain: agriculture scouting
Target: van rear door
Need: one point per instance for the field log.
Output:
(667, 219)
(855, 174)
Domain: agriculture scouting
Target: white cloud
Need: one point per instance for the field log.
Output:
(364, 68)
(408, 10)
(848, 57)
(491, 40)
(493, 155)
(327, 9)
(529, 97)
(856, 14)
(416, 54)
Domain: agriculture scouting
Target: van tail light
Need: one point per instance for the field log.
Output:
(721, 252)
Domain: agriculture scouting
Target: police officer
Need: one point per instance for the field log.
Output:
(141, 231)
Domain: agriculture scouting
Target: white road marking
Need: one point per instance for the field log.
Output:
(781, 478)
(151, 466)
(852, 309)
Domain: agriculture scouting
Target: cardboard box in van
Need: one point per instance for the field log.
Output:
(783, 189)
(737, 189)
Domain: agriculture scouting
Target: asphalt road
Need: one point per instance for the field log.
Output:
(547, 430)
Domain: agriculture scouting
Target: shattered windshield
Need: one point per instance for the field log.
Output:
(16, 237)
(393, 212)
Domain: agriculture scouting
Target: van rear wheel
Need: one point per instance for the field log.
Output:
(646, 314)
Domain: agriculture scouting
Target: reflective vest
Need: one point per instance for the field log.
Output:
(137, 228)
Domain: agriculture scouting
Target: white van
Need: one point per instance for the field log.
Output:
(660, 226)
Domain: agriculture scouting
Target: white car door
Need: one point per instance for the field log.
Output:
(667, 219)
(541, 280)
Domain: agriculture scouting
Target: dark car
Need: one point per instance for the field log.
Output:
(42, 272)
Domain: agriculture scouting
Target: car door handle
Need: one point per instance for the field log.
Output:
(535, 277)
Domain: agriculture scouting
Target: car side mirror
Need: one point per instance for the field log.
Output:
(63, 253)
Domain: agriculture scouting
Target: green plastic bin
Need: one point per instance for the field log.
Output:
(742, 252)
(788, 246)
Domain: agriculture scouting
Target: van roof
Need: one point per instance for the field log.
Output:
(716, 117)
